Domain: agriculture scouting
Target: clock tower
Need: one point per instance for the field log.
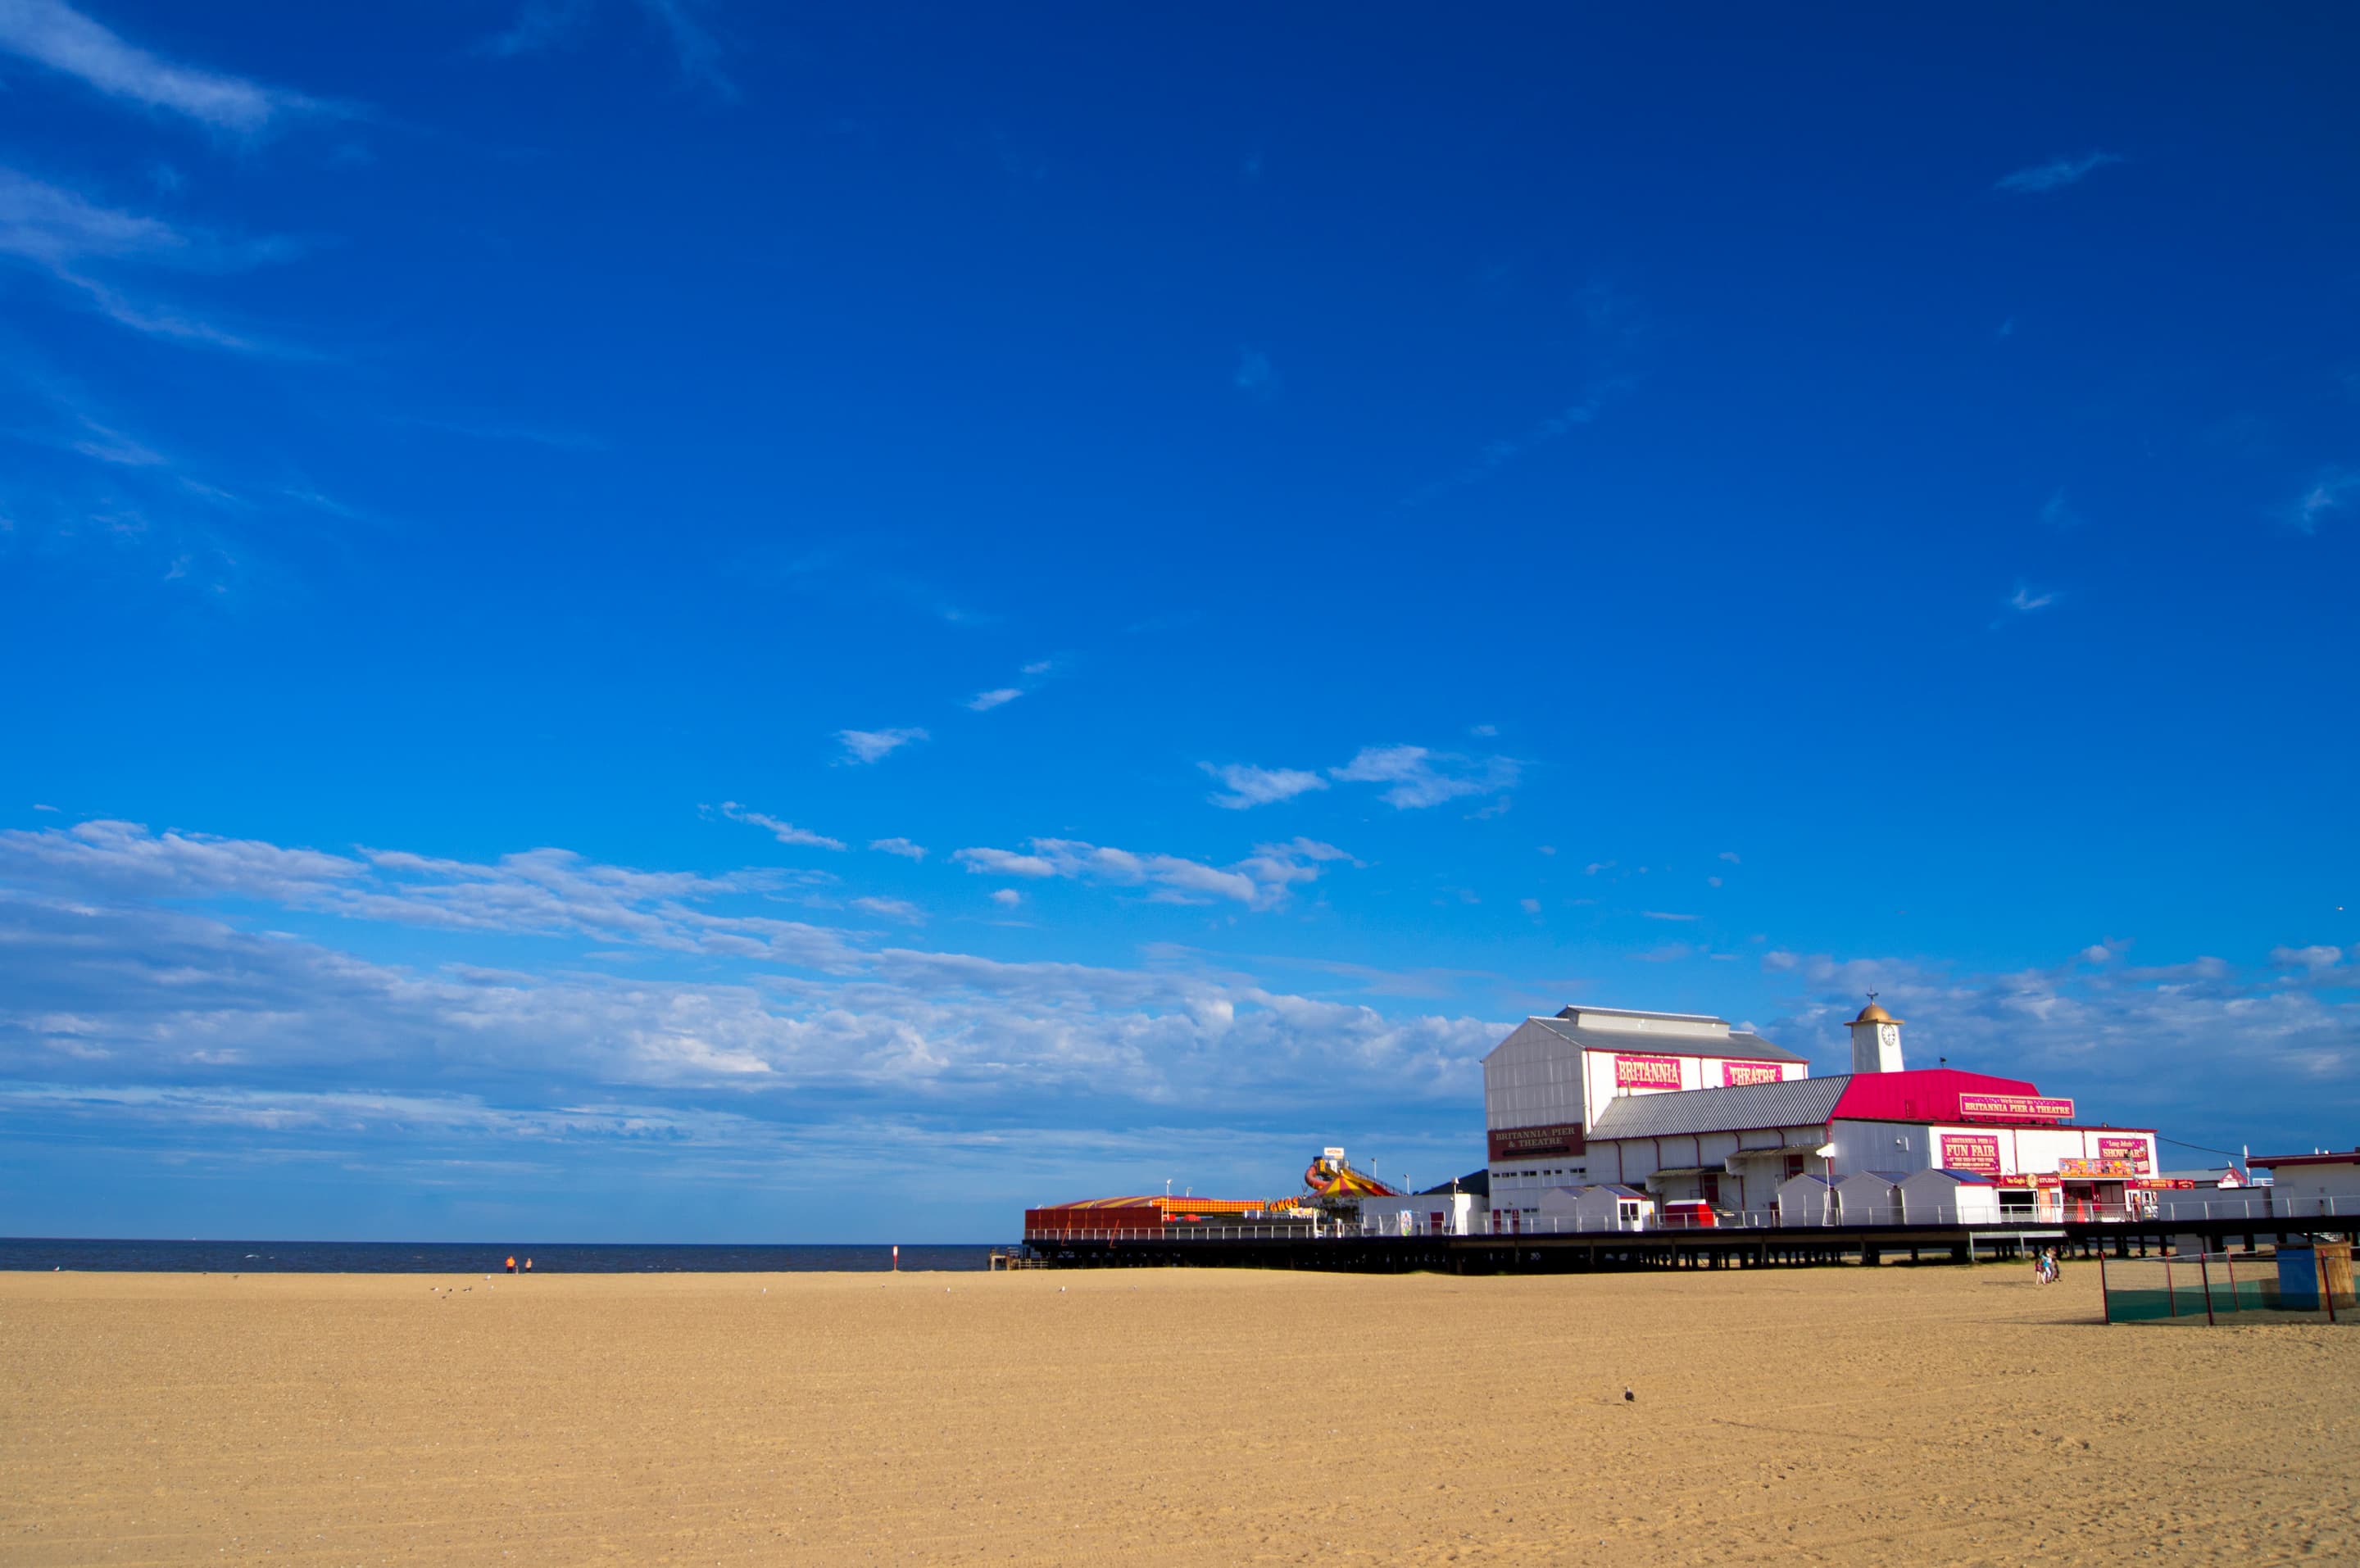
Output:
(1875, 1040)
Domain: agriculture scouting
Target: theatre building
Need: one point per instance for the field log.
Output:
(1689, 1110)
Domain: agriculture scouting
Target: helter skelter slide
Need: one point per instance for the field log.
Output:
(1330, 1176)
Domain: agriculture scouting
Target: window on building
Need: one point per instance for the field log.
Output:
(1794, 1165)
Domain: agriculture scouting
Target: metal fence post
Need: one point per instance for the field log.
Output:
(2170, 1296)
(2204, 1274)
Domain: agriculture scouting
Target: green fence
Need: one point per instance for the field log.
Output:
(2203, 1288)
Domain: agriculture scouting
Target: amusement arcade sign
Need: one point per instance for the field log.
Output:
(1975, 1151)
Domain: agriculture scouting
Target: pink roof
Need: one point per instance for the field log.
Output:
(1922, 1095)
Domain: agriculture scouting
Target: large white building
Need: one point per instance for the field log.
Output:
(1687, 1108)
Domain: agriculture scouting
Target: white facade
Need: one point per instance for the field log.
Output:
(1424, 1213)
(2304, 1183)
(1546, 1083)
(1807, 1199)
(1944, 1197)
(1599, 1206)
(1869, 1197)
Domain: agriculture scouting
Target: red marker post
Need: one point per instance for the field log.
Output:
(897, 1258)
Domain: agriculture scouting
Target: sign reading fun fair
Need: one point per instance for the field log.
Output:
(1735, 1072)
(1646, 1073)
(2131, 1151)
(1975, 1151)
(2017, 1107)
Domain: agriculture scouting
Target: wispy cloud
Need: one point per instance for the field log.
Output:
(1246, 786)
(65, 233)
(1255, 376)
(2316, 958)
(901, 846)
(2057, 514)
(54, 34)
(893, 910)
(1259, 881)
(2327, 494)
(1421, 778)
(2027, 600)
(984, 702)
(871, 746)
(1497, 455)
(2041, 178)
(785, 832)
(543, 25)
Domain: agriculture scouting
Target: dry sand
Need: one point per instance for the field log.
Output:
(1842, 1416)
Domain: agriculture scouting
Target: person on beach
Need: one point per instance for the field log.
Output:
(511, 1263)
(527, 1264)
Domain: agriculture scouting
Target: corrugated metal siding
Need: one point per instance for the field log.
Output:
(1797, 1102)
(1731, 1044)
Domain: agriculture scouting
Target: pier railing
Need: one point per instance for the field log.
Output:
(1832, 1213)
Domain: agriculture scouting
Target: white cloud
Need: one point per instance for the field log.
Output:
(2315, 958)
(1040, 666)
(1484, 731)
(893, 910)
(1259, 881)
(1003, 863)
(54, 34)
(1664, 915)
(785, 832)
(2041, 178)
(901, 846)
(1731, 856)
(1530, 906)
(2327, 494)
(2025, 600)
(870, 745)
(1421, 778)
(984, 702)
(1255, 376)
(1007, 898)
(1248, 786)
(64, 233)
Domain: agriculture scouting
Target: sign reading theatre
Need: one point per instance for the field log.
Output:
(1735, 1072)
(1646, 1073)
(1975, 1151)
(1536, 1142)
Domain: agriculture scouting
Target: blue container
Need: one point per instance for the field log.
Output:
(2298, 1279)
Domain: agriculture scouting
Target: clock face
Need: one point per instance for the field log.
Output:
(1888, 1034)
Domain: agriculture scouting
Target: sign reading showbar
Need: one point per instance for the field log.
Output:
(1646, 1073)
(2015, 1108)
(1536, 1142)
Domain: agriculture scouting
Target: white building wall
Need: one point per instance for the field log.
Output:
(1533, 1078)
(2301, 1187)
(1807, 1199)
(1426, 1214)
(1866, 1198)
(1929, 1197)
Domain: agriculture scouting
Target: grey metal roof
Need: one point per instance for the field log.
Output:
(1733, 1043)
(1797, 1102)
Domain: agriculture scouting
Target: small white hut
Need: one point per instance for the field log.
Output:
(1949, 1197)
(1869, 1197)
(1805, 1200)
(1602, 1206)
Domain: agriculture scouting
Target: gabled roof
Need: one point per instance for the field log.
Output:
(1744, 1047)
(1797, 1102)
(1925, 1094)
(1958, 1178)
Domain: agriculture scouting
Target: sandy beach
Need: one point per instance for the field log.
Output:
(1831, 1416)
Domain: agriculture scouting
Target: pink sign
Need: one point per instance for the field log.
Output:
(2131, 1151)
(1646, 1073)
(2015, 1108)
(1735, 1072)
(1975, 1151)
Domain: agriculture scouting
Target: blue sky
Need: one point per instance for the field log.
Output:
(672, 621)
